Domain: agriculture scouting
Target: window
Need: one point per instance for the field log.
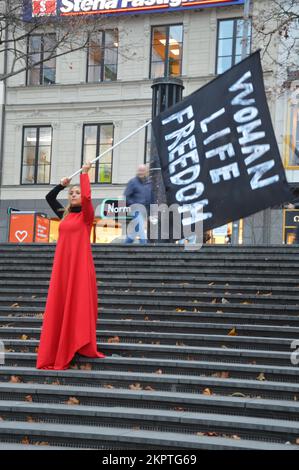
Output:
(229, 43)
(36, 155)
(166, 51)
(147, 144)
(102, 56)
(292, 138)
(40, 48)
(96, 139)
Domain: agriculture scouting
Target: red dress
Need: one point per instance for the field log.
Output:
(71, 311)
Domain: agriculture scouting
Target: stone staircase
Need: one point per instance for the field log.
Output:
(198, 349)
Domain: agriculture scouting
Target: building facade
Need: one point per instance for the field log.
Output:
(73, 107)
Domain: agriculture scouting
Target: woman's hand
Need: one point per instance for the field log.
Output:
(86, 167)
(65, 181)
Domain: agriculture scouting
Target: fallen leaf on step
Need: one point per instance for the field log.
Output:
(219, 311)
(180, 310)
(238, 394)
(28, 398)
(136, 386)
(74, 366)
(25, 440)
(108, 386)
(149, 388)
(36, 349)
(146, 318)
(73, 401)
(1, 419)
(33, 296)
(41, 443)
(113, 339)
(179, 408)
(15, 379)
(261, 377)
(211, 434)
(152, 291)
(214, 301)
(295, 397)
(211, 283)
(297, 441)
(179, 343)
(159, 371)
(24, 337)
(15, 305)
(85, 367)
(200, 433)
(246, 302)
(232, 332)
(56, 382)
(39, 315)
(224, 301)
(29, 419)
(224, 375)
(234, 436)
(207, 391)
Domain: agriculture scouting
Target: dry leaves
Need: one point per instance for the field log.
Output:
(214, 301)
(24, 337)
(180, 310)
(136, 386)
(108, 386)
(207, 391)
(113, 339)
(224, 301)
(25, 440)
(149, 388)
(232, 332)
(15, 304)
(158, 371)
(28, 398)
(15, 379)
(86, 367)
(29, 419)
(73, 401)
(261, 377)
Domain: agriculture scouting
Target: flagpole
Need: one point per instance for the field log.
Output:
(114, 146)
(245, 38)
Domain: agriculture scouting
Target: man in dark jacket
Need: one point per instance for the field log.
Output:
(139, 191)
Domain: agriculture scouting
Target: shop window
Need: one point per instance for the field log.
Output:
(229, 43)
(290, 225)
(36, 155)
(41, 60)
(96, 139)
(166, 51)
(292, 138)
(102, 56)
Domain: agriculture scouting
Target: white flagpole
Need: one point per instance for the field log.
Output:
(114, 146)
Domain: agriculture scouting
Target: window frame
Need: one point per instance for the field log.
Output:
(37, 127)
(98, 143)
(234, 38)
(166, 63)
(102, 65)
(292, 115)
(41, 65)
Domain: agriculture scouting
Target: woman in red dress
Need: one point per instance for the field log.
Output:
(70, 316)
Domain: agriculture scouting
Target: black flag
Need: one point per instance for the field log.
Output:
(219, 157)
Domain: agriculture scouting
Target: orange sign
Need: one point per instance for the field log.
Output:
(21, 228)
(42, 229)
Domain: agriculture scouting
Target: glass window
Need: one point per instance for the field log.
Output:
(292, 137)
(102, 56)
(36, 155)
(40, 51)
(166, 51)
(229, 43)
(97, 138)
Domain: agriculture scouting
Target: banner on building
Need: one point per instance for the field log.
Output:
(62, 8)
(219, 157)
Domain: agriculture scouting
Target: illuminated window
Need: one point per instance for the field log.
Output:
(102, 56)
(36, 155)
(96, 139)
(292, 140)
(41, 65)
(166, 51)
(229, 43)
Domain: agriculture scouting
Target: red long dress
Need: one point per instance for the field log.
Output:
(71, 311)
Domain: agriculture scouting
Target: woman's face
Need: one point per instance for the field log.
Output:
(75, 196)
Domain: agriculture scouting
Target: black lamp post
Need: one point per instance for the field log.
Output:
(166, 92)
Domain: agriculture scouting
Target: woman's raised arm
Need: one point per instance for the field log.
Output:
(87, 207)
